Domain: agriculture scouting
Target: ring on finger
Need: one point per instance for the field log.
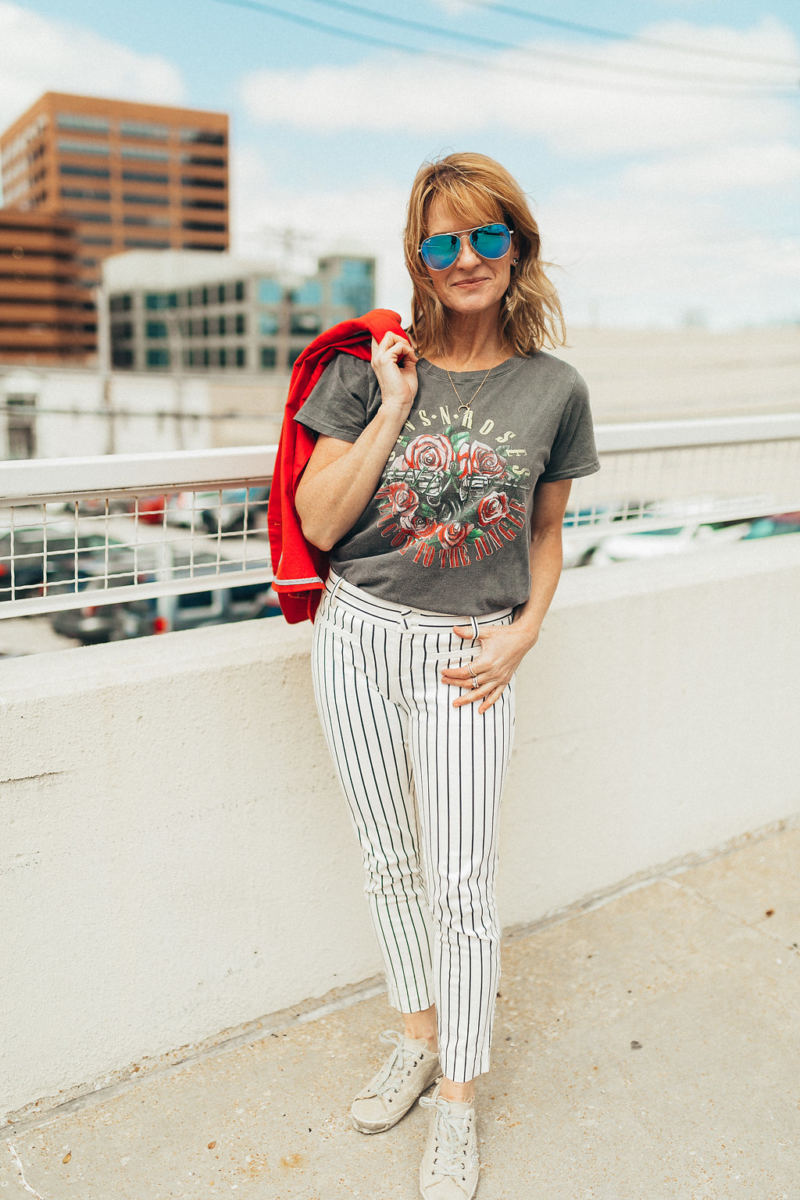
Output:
(472, 673)
(475, 681)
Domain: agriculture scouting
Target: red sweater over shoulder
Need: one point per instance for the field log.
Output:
(300, 569)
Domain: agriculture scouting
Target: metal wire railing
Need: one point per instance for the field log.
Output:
(129, 527)
(116, 528)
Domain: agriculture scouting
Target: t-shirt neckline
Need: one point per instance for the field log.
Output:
(440, 372)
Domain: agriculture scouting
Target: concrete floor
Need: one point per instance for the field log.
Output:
(646, 1049)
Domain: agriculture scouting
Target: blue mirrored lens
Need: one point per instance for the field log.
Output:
(440, 251)
(490, 241)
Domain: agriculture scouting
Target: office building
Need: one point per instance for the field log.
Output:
(189, 312)
(131, 176)
(46, 316)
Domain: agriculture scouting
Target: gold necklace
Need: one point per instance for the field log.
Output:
(465, 406)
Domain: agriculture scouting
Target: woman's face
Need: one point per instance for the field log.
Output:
(472, 284)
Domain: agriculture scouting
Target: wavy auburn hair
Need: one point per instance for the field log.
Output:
(478, 189)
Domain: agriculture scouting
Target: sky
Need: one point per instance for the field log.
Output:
(659, 143)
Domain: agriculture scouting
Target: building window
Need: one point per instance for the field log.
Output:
(221, 293)
(241, 356)
(144, 154)
(268, 291)
(223, 356)
(158, 357)
(91, 240)
(207, 246)
(205, 205)
(145, 219)
(353, 286)
(81, 123)
(145, 244)
(202, 160)
(241, 323)
(206, 358)
(206, 327)
(267, 324)
(155, 300)
(309, 294)
(121, 303)
(305, 323)
(268, 356)
(121, 356)
(144, 177)
(238, 293)
(85, 172)
(100, 218)
(67, 146)
(201, 182)
(85, 194)
(206, 137)
(221, 326)
(208, 226)
(138, 198)
(156, 329)
(121, 331)
(143, 129)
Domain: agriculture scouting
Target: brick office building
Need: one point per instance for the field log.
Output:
(131, 176)
(46, 316)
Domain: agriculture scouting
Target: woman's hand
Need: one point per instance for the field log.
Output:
(395, 365)
(502, 649)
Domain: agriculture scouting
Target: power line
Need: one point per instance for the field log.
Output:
(612, 34)
(482, 65)
(494, 44)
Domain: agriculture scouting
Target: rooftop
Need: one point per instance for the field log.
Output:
(645, 1049)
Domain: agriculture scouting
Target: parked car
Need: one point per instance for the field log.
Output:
(160, 614)
(230, 513)
(676, 539)
(774, 526)
(58, 558)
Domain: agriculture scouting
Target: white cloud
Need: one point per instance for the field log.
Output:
(40, 55)
(624, 260)
(723, 169)
(530, 96)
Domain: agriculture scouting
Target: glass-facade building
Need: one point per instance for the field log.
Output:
(234, 320)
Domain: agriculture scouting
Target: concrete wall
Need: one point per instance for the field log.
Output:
(177, 861)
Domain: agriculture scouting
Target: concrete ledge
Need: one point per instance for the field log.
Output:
(178, 861)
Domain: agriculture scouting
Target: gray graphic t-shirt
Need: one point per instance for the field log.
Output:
(448, 528)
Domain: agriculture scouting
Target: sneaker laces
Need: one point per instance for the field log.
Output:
(401, 1063)
(452, 1137)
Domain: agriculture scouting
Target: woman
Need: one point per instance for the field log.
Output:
(439, 482)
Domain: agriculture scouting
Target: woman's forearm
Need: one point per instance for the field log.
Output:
(546, 561)
(332, 496)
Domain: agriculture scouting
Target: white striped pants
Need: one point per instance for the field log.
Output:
(423, 782)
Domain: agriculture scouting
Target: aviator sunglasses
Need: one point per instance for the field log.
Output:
(489, 241)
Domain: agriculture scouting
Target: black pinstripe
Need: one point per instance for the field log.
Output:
(423, 782)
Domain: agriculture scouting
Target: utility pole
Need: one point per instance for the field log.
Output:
(104, 365)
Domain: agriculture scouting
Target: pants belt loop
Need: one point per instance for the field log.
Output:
(335, 589)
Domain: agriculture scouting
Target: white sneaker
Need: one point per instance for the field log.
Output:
(401, 1080)
(450, 1166)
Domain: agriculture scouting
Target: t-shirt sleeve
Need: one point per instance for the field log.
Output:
(337, 404)
(573, 452)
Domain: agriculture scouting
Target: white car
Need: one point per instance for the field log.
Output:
(676, 539)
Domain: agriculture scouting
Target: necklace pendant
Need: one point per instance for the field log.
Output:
(464, 407)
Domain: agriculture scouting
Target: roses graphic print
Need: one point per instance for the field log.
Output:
(448, 497)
